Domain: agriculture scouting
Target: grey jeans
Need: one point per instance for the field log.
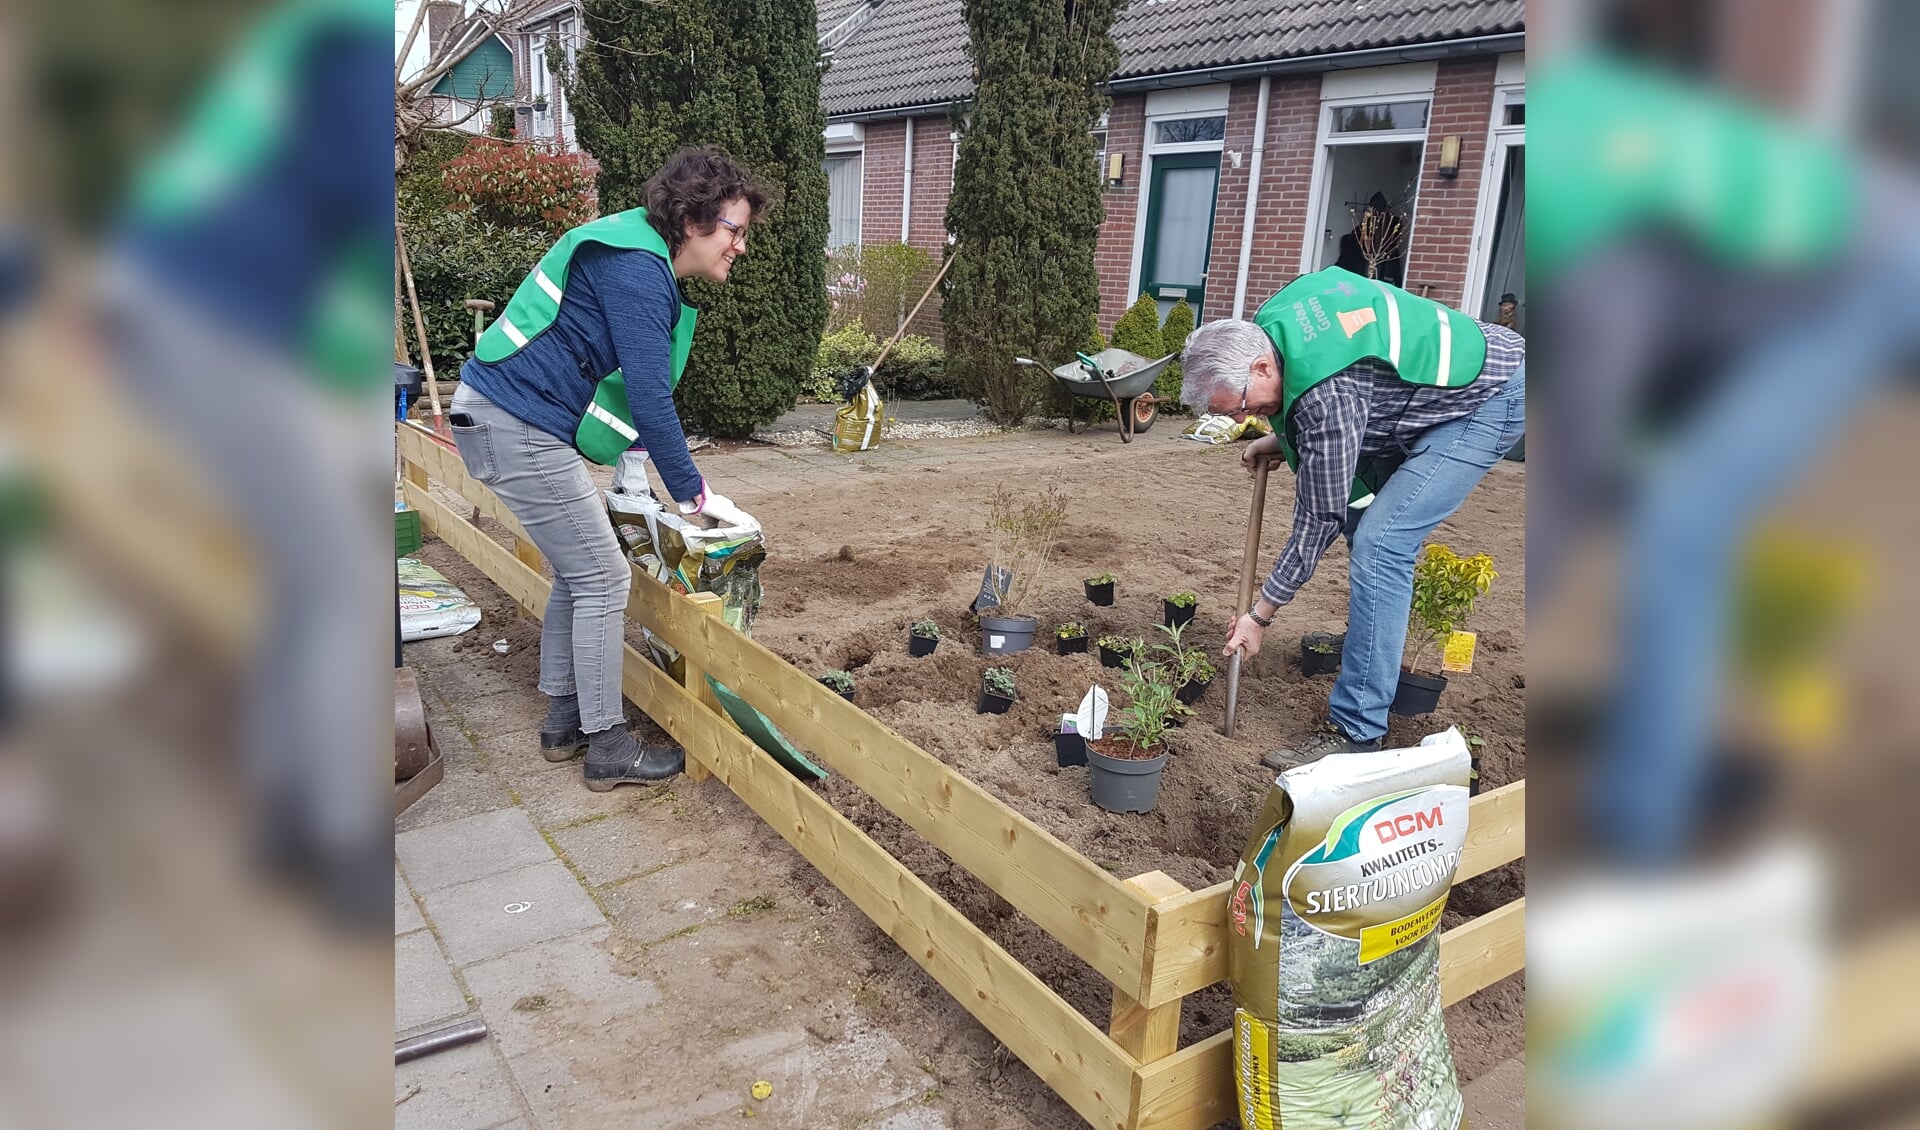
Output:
(544, 481)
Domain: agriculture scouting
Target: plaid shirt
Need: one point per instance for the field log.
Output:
(1366, 409)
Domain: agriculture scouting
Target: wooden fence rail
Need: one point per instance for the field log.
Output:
(1153, 939)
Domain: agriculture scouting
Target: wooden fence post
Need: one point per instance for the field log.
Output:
(1146, 1033)
(696, 681)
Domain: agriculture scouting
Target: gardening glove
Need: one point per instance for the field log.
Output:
(734, 522)
(630, 474)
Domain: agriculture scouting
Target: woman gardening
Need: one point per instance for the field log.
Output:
(583, 362)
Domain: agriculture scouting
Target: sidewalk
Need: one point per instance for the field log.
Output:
(576, 924)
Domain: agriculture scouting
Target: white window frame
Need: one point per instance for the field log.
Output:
(1327, 140)
(1480, 252)
(1168, 106)
(849, 140)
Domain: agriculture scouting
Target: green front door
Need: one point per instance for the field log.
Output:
(1179, 229)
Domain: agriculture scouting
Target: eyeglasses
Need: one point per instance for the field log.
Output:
(739, 231)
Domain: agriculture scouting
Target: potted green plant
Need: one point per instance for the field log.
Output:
(997, 690)
(1320, 653)
(1123, 772)
(840, 683)
(1024, 529)
(1180, 609)
(922, 637)
(1445, 586)
(1100, 589)
(1188, 666)
(1070, 638)
(1116, 650)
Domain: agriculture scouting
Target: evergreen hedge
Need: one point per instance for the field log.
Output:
(1173, 338)
(1025, 208)
(654, 77)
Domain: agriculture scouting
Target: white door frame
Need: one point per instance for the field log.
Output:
(1322, 150)
(1167, 106)
(1493, 175)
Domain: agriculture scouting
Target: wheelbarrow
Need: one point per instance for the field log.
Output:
(1118, 375)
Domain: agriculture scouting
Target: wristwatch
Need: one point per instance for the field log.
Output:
(1263, 621)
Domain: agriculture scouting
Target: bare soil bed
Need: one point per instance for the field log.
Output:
(858, 547)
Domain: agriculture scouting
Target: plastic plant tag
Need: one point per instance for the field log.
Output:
(1458, 653)
(1068, 725)
(1092, 717)
(996, 642)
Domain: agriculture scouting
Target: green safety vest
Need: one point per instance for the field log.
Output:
(1327, 321)
(237, 125)
(606, 428)
(1633, 149)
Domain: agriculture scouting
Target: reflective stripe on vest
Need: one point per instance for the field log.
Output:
(606, 428)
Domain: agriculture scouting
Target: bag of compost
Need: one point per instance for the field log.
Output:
(1333, 943)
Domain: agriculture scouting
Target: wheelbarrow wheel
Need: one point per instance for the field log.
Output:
(1143, 410)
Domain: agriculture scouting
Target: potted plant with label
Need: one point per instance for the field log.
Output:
(1445, 586)
(840, 683)
(1116, 650)
(1024, 529)
(1180, 609)
(922, 637)
(1070, 638)
(997, 690)
(1320, 653)
(1123, 772)
(1100, 589)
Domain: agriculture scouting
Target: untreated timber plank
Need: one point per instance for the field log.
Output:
(1190, 931)
(1073, 1057)
(1193, 1088)
(1146, 1033)
(1085, 908)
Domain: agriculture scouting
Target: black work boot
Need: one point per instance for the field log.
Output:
(1328, 739)
(616, 757)
(560, 736)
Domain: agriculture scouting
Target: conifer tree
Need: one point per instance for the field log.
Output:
(1025, 209)
(652, 77)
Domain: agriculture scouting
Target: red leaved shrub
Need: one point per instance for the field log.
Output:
(520, 185)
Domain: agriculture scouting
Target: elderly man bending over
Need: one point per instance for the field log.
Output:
(1383, 401)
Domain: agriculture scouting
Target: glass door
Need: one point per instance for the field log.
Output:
(1507, 254)
(1179, 233)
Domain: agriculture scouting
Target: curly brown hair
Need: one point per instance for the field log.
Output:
(686, 195)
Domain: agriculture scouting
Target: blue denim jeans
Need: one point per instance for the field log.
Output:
(1444, 465)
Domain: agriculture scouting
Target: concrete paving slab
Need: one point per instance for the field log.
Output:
(467, 788)
(561, 796)
(423, 986)
(406, 912)
(684, 895)
(460, 851)
(461, 1088)
(575, 989)
(916, 1115)
(488, 917)
(465, 683)
(618, 845)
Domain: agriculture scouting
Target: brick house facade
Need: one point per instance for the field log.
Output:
(1460, 84)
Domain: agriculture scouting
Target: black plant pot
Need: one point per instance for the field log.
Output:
(1473, 781)
(1178, 616)
(991, 703)
(1417, 694)
(1101, 595)
(848, 695)
(1319, 662)
(922, 645)
(1071, 645)
(1191, 691)
(1112, 658)
(1069, 749)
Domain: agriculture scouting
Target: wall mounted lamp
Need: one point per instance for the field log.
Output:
(1115, 163)
(1450, 156)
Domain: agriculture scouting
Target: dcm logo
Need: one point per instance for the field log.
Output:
(1408, 824)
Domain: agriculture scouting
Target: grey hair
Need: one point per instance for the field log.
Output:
(1220, 354)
